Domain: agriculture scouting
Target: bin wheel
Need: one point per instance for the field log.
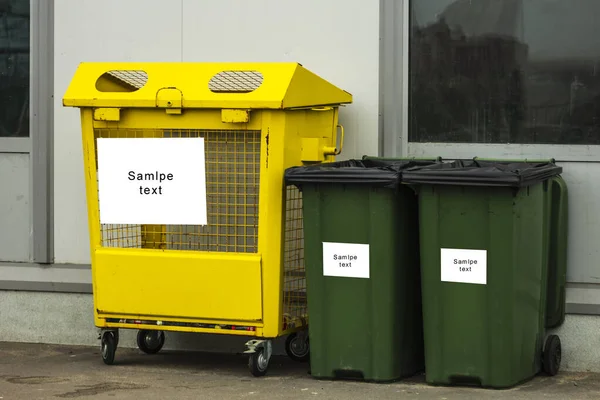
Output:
(258, 362)
(150, 341)
(297, 347)
(108, 347)
(552, 355)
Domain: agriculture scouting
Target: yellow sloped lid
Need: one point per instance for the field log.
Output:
(272, 85)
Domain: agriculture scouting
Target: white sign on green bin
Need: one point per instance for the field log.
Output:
(152, 181)
(464, 266)
(349, 260)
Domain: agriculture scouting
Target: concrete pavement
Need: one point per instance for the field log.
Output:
(34, 371)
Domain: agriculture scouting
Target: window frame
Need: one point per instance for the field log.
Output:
(39, 143)
(42, 130)
(582, 298)
(393, 139)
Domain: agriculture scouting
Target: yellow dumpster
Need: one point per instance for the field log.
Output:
(191, 227)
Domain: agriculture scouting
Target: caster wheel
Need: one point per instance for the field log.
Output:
(297, 347)
(109, 347)
(150, 342)
(552, 355)
(258, 363)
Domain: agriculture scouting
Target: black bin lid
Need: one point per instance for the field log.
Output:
(369, 171)
(476, 172)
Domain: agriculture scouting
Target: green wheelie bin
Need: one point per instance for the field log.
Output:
(485, 232)
(362, 269)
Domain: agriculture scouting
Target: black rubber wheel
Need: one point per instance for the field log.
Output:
(150, 341)
(296, 348)
(108, 347)
(552, 355)
(258, 363)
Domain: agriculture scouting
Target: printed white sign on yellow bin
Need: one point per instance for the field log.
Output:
(152, 181)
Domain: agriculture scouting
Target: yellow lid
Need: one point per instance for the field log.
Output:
(272, 85)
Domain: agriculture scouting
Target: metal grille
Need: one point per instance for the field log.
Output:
(136, 79)
(235, 81)
(232, 189)
(294, 295)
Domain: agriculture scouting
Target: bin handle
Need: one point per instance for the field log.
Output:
(339, 150)
(334, 151)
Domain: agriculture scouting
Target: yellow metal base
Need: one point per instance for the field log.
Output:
(247, 331)
(220, 327)
(178, 284)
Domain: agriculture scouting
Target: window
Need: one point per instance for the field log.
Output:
(505, 71)
(14, 68)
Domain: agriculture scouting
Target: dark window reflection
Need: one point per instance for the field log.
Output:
(505, 71)
(14, 68)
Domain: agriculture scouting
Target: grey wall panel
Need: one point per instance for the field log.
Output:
(91, 30)
(14, 207)
(584, 222)
(336, 39)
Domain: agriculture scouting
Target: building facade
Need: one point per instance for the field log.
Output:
(449, 78)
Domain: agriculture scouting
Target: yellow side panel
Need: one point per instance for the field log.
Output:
(178, 284)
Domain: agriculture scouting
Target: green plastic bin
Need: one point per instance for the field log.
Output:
(485, 234)
(362, 270)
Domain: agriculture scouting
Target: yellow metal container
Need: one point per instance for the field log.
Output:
(243, 272)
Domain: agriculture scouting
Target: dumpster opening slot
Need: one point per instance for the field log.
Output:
(235, 82)
(121, 81)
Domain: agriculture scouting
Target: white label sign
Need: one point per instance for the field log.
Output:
(347, 260)
(152, 181)
(464, 266)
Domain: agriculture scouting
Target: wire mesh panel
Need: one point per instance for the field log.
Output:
(123, 236)
(294, 295)
(232, 161)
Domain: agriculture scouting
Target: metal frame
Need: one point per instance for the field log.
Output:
(392, 45)
(583, 298)
(66, 278)
(561, 153)
(42, 130)
(582, 308)
(393, 128)
(39, 144)
(12, 145)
